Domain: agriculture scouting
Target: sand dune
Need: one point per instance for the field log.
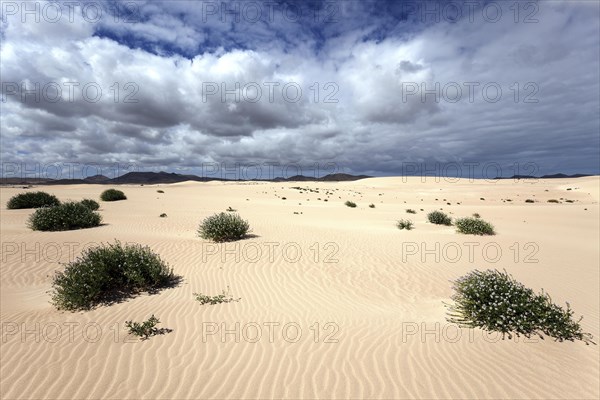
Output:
(345, 305)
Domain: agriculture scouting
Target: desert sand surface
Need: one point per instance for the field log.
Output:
(344, 305)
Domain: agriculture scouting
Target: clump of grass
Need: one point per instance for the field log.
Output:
(112, 195)
(410, 211)
(32, 200)
(145, 329)
(371, 205)
(529, 201)
(474, 226)
(224, 297)
(109, 273)
(223, 227)
(439, 218)
(476, 215)
(553, 201)
(91, 204)
(350, 204)
(495, 301)
(64, 217)
(405, 224)
(163, 215)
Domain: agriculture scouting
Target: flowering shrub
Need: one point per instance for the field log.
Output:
(91, 204)
(474, 226)
(439, 218)
(107, 273)
(32, 200)
(64, 217)
(495, 301)
(112, 195)
(223, 227)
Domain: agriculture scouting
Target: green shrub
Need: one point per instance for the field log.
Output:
(224, 297)
(223, 227)
(91, 204)
(350, 204)
(145, 329)
(32, 200)
(439, 218)
(410, 211)
(474, 226)
(109, 273)
(495, 301)
(405, 224)
(112, 195)
(64, 217)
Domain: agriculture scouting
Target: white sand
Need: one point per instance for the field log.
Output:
(387, 335)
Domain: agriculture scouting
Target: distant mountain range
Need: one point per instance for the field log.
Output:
(153, 178)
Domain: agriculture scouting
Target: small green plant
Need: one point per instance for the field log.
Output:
(32, 200)
(405, 224)
(410, 211)
(163, 215)
(112, 195)
(224, 297)
(91, 204)
(474, 226)
(64, 217)
(229, 209)
(371, 205)
(145, 329)
(439, 218)
(350, 204)
(223, 227)
(529, 201)
(476, 215)
(160, 191)
(109, 273)
(553, 201)
(495, 301)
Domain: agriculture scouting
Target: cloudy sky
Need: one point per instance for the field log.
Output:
(377, 88)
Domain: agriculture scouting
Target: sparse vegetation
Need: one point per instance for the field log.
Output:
(229, 209)
(160, 191)
(64, 217)
(529, 201)
(224, 297)
(405, 224)
(112, 195)
(109, 273)
(474, 226)
(163, 215)
(145, 329)
(350, 204)
(223, 227)
(410, 211)
(476, 215)
(553, 201)
(495, 301)
(371, 205)
(32, 200)
(439, 218)
(91, 204)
